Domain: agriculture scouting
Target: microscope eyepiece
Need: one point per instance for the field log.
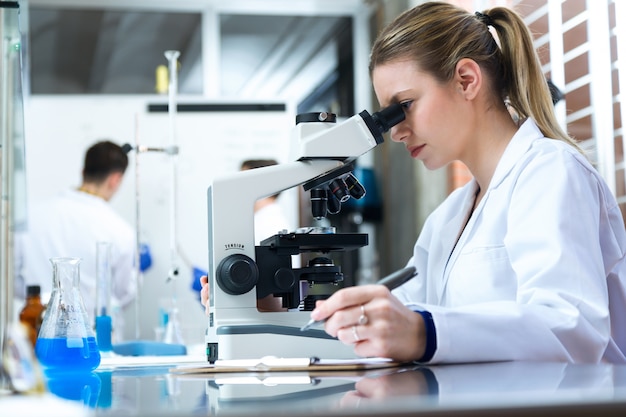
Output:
(389, 116)
(383, 120)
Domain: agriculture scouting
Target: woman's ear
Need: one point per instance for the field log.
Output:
(468, 77)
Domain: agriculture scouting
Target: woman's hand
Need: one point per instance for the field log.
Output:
(374, 321)
(204, 293)
(396, 383)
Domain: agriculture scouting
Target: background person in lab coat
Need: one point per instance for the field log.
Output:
(269, 217)
(71, 223)
(526, 261)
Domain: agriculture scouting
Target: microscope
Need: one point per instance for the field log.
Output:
(322, 157)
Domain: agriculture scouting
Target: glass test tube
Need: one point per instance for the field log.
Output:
(103, 279)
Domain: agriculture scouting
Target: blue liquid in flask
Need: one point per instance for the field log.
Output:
(68, 354)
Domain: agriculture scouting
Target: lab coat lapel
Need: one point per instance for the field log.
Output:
(521, 141)
(450, 232)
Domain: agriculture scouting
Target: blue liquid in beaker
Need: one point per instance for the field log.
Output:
(68, 355)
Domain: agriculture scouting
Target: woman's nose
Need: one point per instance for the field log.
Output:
(395, 133)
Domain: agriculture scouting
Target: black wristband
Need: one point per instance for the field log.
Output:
(431, 336)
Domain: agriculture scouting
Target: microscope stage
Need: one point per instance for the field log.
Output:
(307, 242)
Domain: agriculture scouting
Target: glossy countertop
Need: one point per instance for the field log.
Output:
(148, 388)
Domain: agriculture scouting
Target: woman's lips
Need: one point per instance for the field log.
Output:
(415, 150)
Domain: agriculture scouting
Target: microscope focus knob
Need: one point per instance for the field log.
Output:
(237, 274)
(284, 279)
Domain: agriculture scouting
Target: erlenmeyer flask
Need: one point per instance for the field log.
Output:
(66, 341)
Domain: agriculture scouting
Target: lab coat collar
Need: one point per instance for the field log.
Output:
(520, 143)
(76, 194)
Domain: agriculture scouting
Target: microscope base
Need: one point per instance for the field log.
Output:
(236, 392)
(256, 341)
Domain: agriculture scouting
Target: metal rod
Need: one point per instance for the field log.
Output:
(13, 205)
(172, 57)
(138, 273)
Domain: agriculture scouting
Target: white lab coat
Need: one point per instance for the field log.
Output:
(268, 221)
(70, 225)
(538, 273)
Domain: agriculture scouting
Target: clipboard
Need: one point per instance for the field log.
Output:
(274, 364)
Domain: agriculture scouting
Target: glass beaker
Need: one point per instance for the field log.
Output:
(66, 340)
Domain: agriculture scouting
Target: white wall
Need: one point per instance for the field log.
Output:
(58, 131)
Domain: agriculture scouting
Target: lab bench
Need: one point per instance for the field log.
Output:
(149, 388)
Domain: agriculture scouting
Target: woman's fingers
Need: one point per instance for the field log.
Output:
(346, 298)
(204, 293)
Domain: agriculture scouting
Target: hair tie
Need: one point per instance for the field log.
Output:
(485, 18)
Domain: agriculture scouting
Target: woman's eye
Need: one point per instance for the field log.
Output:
(406, 104)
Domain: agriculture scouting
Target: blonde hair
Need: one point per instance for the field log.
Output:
(437, 35)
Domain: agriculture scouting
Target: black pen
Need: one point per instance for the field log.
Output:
(391, 281)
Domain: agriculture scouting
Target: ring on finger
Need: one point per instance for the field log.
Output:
(363, 318)
(355, 334)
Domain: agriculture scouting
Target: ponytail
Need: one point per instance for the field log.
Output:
(527, 89)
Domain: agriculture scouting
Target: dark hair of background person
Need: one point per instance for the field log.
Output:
(102, 159)
(257, 163)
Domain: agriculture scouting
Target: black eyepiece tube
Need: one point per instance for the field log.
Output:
(383, 120)
(389, 116)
